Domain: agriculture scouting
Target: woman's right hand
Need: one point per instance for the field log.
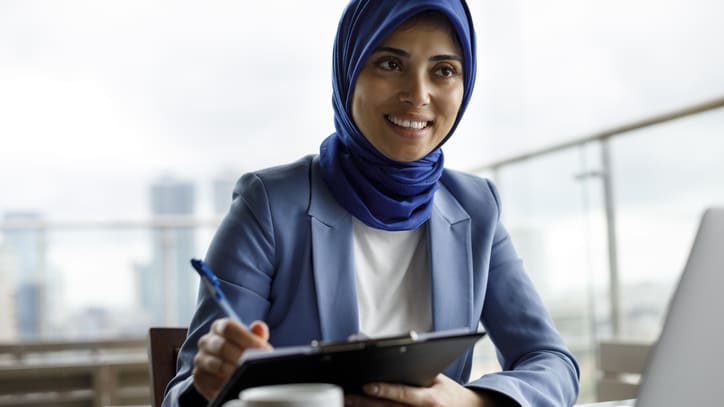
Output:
(220, 350)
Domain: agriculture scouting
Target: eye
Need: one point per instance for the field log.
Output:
(389, 64)
(446, 71)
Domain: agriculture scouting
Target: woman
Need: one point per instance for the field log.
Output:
(375, 236)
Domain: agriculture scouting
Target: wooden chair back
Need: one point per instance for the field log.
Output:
(163, 348)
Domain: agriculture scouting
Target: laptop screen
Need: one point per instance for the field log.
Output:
(686, 367)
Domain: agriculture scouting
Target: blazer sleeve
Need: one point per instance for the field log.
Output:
(242, 255)
(538, 370)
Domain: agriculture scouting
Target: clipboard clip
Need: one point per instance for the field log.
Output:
(360, 341)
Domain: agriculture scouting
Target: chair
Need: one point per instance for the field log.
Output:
(622, 364)
(163, 347)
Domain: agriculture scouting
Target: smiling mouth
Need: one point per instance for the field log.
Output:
(408, 124)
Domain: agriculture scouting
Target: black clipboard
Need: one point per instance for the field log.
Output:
(413, 359)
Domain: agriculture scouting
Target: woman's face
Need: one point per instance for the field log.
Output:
(409, 91)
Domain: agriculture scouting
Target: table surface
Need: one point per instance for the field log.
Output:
(620, 403)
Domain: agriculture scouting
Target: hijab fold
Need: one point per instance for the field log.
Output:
(381, 192)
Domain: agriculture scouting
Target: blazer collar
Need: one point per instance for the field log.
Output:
(333, 264)
(332, 261)
(451, 265)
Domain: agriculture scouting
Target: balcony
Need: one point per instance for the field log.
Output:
(603, 224)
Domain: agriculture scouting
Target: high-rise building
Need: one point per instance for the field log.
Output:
(167, 286)
(29, 309)
(26, 245)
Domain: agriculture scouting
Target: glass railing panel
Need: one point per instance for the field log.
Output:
(664, 177)
(551, 205)
(97, 281)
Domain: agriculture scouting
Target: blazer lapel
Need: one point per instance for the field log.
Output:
(333, 263)
(451, 264)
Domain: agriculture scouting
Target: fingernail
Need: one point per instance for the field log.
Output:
(371, 388)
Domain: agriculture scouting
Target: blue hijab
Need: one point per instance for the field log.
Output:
(381, 192)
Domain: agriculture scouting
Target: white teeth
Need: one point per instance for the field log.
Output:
(407, 123)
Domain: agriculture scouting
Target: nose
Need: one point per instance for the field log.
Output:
(415, 89)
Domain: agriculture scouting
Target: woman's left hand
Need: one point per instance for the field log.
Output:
(443, 392)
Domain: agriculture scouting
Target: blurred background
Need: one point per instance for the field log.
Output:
(124, 125)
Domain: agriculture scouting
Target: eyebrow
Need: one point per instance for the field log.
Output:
(403, 53)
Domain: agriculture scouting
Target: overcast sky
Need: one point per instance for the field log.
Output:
(100, 98)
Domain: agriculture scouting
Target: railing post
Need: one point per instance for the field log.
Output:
(168, 244)
(614, 284)
(104, 386)
(43, 302)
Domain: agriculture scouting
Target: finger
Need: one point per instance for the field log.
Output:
(217, 345)
(214, 365)
(395, 392)
(260, 329)
(236, 334)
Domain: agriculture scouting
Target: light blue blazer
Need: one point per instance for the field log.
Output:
(283, 254)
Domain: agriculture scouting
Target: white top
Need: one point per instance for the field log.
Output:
(393, 280)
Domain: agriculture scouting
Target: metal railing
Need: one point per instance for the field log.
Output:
(603, 137)
(75, 373)
(163, 228)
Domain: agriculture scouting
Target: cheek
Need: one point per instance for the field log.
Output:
(362, 102)
(454, 102)
(358, 108)
(363, 113)
(368, 97)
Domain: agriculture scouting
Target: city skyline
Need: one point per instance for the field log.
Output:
(40, 302)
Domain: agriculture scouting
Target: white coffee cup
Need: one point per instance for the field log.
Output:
(291, 395)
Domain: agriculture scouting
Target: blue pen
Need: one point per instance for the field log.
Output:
(212, 284)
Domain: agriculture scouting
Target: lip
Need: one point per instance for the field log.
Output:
(409, 131)
(409, 116)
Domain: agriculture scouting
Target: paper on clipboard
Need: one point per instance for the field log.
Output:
(413, 359)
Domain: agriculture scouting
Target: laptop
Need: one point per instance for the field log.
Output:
(686, 366)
